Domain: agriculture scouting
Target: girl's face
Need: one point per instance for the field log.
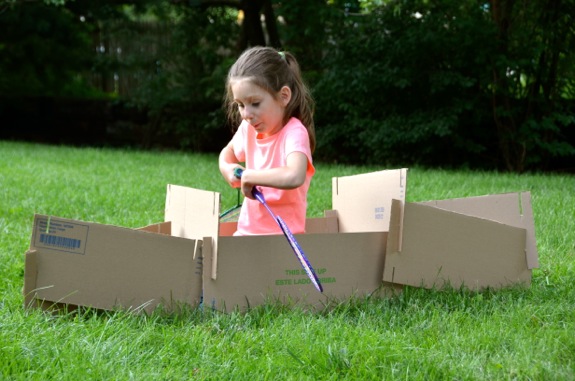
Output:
(259, 108)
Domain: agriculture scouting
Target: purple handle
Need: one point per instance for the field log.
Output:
(259, 195)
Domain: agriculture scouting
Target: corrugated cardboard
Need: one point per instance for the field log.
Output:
(363, 202)
(475, 242)
(193, 213)
(512, 209)
(107, 267)
(370, 238)
(246, 271)
(253, 270)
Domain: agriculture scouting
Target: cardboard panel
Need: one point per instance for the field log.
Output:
(363, 202)
(160, 228)
(252, 269)
(326, 224)
(443, 247)
(194, 213)
(106, 267)
(512, 209)
(30, 275)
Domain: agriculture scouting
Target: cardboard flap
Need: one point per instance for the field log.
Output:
(395, 237)
(326, 224)
(529, 224)
(363, 202)
(512, 209)
(160, 228)
(194, 213)
(30, 276)
(210, 256)
(444, 247)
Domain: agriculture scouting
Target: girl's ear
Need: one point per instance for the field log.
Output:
(285, 95)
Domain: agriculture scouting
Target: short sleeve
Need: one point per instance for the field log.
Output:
(239, 142)
(297, 139)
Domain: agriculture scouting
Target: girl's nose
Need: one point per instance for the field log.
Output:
(247, 114)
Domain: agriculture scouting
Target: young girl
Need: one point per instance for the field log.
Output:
(275, 139)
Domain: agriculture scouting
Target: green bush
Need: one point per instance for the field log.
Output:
(43, 52)
(450, 83)
(399, 86)
(181, 84)
(412, 82)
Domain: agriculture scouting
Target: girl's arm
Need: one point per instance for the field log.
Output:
(228, 162)
(291, 176)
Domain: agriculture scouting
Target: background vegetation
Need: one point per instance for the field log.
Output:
(479, 84)
(512, 334)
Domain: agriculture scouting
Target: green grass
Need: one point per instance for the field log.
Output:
(511, 334)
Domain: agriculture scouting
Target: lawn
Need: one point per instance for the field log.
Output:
(512, 334)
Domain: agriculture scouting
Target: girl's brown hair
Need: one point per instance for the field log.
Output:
(271, 70)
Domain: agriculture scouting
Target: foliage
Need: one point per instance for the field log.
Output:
(412, 82)
(301, 32)
(43, 52)
(398, 83)
(184, 91)
(175, 58)
(167, 61)
(450, 83)
(532, 75)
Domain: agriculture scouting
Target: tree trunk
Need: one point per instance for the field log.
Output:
(271, 25)
(253, 33)
(511, 148)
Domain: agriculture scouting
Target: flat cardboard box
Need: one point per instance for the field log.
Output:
(242, 272)
(475, 242)
(254, 270)
(107, 267)
(370, 239)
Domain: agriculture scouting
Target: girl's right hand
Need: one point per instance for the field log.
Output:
(232, 179)
(228, 163)
(247, 190)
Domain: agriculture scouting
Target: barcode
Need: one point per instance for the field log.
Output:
(53, 240)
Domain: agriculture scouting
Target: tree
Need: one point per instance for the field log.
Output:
(450, 83)
(458, 82)
(532, 77)
(253, 33)
(43, 50)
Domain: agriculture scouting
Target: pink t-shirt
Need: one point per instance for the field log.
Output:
(272, 152)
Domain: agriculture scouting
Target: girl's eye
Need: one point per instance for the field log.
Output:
(256, 104)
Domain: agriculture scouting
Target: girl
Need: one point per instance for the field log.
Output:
(275, 140)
